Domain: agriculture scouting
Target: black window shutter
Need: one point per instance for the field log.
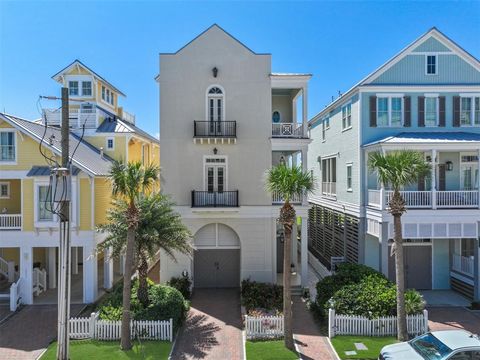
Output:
(421, 111)
(407, 114)
(441, 111)
(456, 111)
(373, 111)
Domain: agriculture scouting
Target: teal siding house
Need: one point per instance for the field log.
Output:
(426, 98)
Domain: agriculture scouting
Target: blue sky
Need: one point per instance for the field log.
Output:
(339, 42)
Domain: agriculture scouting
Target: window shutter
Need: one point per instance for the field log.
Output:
(407, 114)
(441, 111)
(421, 111)
(456, 111)
(373, 111)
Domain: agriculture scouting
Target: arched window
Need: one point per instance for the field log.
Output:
(276, 117)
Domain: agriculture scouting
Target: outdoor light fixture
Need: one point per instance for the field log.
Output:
(282, 160)
(215, 151)
(185, 273)
(215, 72)
(449, 165)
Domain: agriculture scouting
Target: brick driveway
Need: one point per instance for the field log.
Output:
(448, 318)
(26, 334)
(213, 329)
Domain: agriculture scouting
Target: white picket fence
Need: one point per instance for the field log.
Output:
(261, 327)
(384, 326)
(94, 328)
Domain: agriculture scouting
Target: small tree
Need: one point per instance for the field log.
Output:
(159, 227)
(398, 169)
(128, 182)
(288, 182)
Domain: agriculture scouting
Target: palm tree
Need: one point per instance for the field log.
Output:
(398, 169)
(288, 182)
(159, 227)
(128, 182)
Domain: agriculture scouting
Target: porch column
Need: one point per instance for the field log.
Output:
(52, 267)
(476, 267)
(304, 111)
(383, 240)
(74, 260)
(304, 168)
(11, 271)
(107, 269)
(434, 181)
(304, 251)
(26, 269)
(90, 286)
(295, 246)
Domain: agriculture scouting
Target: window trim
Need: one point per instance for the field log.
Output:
(426, 64)
(223, 95)
(204, 168)
(331, 169)
(7, 183)
(437, 108)
(37, 221)
(390, 97)
(345, 106)
(472, 98)
(70, 88)
(103, 96)
(113, 143)
(91, 88)
(349, 165)
(15, 140)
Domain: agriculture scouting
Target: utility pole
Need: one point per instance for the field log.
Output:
(61, 191)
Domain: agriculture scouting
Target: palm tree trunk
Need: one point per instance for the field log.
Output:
(142, 293)
(402, 332)
(125, 342)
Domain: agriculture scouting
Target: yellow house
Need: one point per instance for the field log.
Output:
(100, 132)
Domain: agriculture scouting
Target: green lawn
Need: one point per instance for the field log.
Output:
(374, 345)
(105, 350)
(269, 350)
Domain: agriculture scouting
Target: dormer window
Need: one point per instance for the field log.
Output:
(86, 88)
(73, 88)
(431, 64)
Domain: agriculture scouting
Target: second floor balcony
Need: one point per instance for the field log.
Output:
(10, 221)
(214, 199)
(453, 199)
(288, 130)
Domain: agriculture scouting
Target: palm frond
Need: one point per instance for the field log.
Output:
(288, 181)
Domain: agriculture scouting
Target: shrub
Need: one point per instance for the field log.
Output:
(373, 297)
(346, 274)
(182, 284)
(165, 302)
(256, 295)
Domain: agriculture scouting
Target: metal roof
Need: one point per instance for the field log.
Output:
(429, 137)
(87, 157)
(46, 171)
(117, 125)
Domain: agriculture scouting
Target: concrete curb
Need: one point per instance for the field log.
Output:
(332, 348)
(173, 345)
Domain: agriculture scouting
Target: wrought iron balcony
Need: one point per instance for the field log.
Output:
(215, 129)
(214, 198)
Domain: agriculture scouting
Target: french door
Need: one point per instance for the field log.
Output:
(215, 114)
(215, 178)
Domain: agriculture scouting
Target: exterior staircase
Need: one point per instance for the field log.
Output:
(4, 290)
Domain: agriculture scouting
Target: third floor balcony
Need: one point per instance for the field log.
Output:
(214, 131)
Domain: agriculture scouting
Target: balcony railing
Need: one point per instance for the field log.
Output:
(77, 118)
(288, 130)
(215, 198)
(215, 129)
(427, 199)
(463, 264)
(277, 199)
(10, 221)
(329, 188)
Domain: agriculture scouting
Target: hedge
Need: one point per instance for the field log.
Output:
(256, 295)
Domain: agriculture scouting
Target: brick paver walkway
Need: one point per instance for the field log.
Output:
(312, 344)
(213, 329)
(26, 334)
(448, 318)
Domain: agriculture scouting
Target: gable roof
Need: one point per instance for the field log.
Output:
(433, 32)
(86, 156)
(117, 125)
(77, 62)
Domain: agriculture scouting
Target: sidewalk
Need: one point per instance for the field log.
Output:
(311, 343)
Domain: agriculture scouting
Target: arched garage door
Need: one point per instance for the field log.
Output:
(216, 261)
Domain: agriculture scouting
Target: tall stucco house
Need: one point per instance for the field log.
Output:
(426, 98)
(225, 118)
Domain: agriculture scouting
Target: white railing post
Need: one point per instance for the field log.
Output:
(170, 337)
(331, 323)
(92, 324)
(425, 320)
(13, 297)
(382, 198)
(11, 271)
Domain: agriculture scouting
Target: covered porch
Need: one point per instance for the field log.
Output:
(291, 158)
(453, 182)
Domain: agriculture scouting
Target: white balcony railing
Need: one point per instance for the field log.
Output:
(463, 264)
(10, 221)
(426, 199)
(288, 130)
(128, 117)
(329, 188)
(77, 118)
(277, 199)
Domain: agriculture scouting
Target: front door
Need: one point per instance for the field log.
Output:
(417, 264)
(215, 180)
